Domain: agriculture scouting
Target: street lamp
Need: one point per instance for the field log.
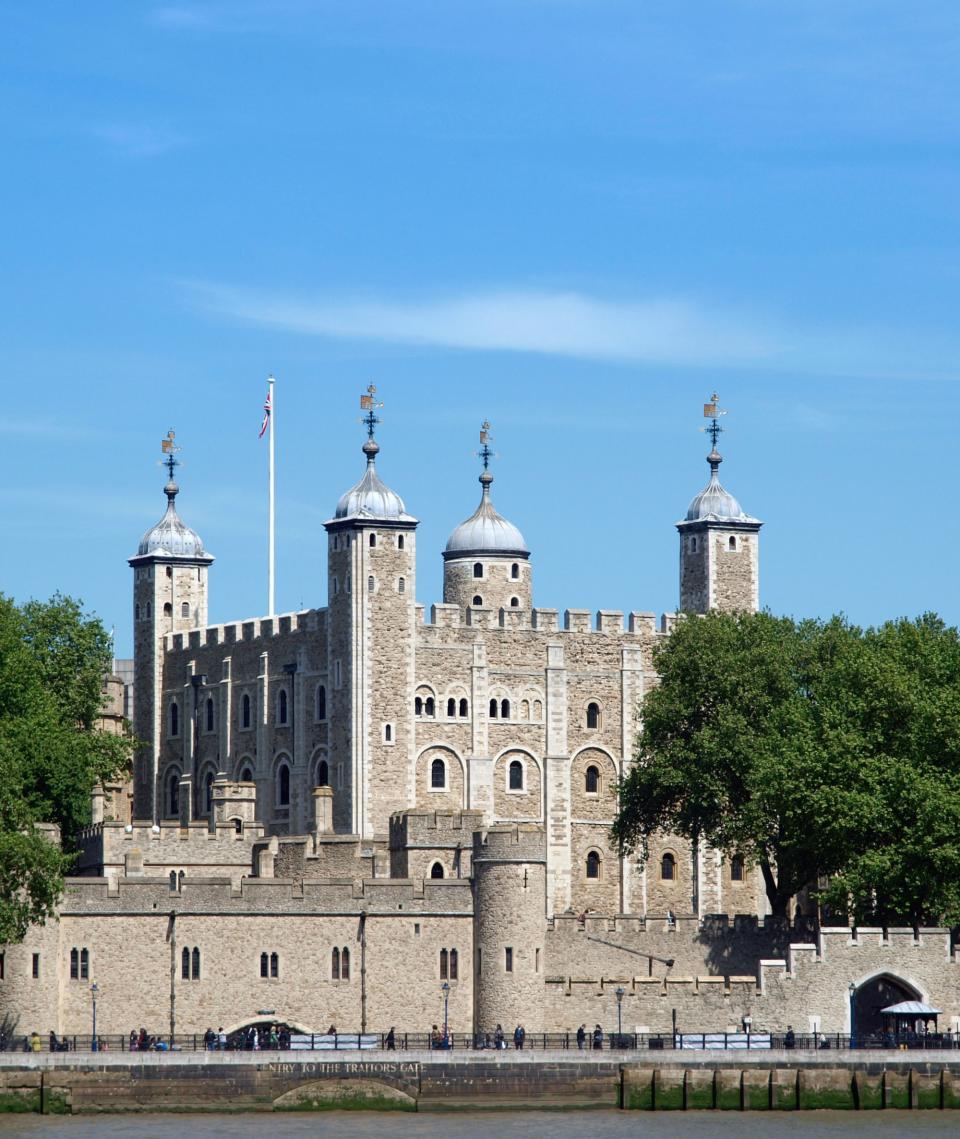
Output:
(619, 995)
(853, 1013)
(445, 989)
(94, 989)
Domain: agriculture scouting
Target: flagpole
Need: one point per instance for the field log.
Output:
(271, 558)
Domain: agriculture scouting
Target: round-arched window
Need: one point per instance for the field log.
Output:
(592, 780)
(438, 774)
(436, 870)
(668, 867)
(515, 775)
(593, 864)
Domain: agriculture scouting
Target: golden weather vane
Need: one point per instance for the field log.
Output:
(369, 404)
(713, 411)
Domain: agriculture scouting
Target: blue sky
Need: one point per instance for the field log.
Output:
(575, 218)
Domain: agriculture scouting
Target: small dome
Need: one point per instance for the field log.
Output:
(486, 532)
(371, 497)
(714, 502)
(171, 537)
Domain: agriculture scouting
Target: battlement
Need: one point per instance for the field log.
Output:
(545, 620)
(269, 896)
(146, 848)
(434, 828)
(238, 632)
(520, 842)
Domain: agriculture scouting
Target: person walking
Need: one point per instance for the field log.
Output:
(598, 1038)
(498, 1041)
(518, 1035)
(391, 1041)
(581, 1036)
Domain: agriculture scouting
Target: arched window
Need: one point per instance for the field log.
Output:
(438, 774)
(238, 826)
(515, 775)
(451, 707)
(514, 602)
(371, 584)
(208, 793)
(196, 963)
(321, 702)
(274, 964)
(136, 611)
(418, 706)
(593, 864)
(478, 569)
(84, 965)
(345, 964)
(174, 719)
(173, 793)
(668, 867)
(181, 874)
(504, 709)
(264, 965)
(524, 709)
(335, 964)
(429, 707)
(464, 706)
(185, 964)
(283, 786)
(693, 545)
(373, 540)
(323, 773)
(184, 608)
(149, 611)
(732, 543)
(399, 541)
(402, 585)
(592, 780)
(74, 965)
(736, 868)
(444, 964)
(173, 880)
(593, 715)
(209, 710)
(478, 600)
(515, 571)
(388, 733)
(494, 708)
(282, 706)
(246, 776)
(453, 965)
(436, 870)
(167, 609)
(245, 711)
(538, 709)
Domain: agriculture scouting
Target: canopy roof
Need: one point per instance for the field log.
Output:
(910, 1008)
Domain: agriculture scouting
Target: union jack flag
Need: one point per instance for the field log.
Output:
(266, 417)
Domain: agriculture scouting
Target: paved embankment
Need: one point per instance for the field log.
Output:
(422, 1081)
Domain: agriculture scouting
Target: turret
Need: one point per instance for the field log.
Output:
(719, 543)
(486, 564)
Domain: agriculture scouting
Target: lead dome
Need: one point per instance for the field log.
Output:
(171, 536)
(486, 532)
(371, 497)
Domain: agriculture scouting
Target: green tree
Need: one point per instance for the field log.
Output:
(53, 658)
(805, 747)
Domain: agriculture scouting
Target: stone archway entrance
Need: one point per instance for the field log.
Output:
(874, 995)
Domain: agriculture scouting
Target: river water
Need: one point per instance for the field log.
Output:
(492, 1125)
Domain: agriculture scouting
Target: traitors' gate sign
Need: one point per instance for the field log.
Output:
(402, 1070)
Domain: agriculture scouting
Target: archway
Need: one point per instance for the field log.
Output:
(874, 995)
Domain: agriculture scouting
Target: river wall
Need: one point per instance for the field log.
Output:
(52, 1084)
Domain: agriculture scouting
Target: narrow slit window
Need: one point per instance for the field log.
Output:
(593, 715)
(451, 707)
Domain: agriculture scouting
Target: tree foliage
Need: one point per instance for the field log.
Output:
(53, 659)
(817, 751)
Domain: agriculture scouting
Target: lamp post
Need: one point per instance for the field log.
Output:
(619, 995)
(94, 989)
(853, 1014)
(445, 989)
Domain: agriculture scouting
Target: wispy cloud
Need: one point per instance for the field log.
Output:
(139, 140)
(45, 429)
(552, 323)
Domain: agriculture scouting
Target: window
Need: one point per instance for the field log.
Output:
(478, 600)
(196, 964)
(345, 964)
(736, 868)
(418, 706)
(399, 541)
(167, 609)
(208, 792)
(732, 543)
(402, 585)
(524, 709)
(275, 965)
(429, 707)
(321, 702)
(371, 584)
(346, 584)
(149, 611)
(454, 965)
(493, 709)
(591, 783)
(173, 793)
(185, 609)
(174, 719)
(264, 965)
(515, 775)
(464, 707)
(180, 877)
(538, 709)
(593, 715)
(190, 964)
(237, 826)
(283, 785)
(3, 964)
(337, 679)
(373, 540)
(136, 611)
(245, 711)
(185, 964)
(536, 960)
(323, 773)
(173, 881)
(668, 867)
(209, 710)
(693, 545)
(436, 870)
(74, 964)
(335, 965)
(438, 774)
(246, 776)
(508, 959)
(451, 707)
(444, 964)
(336, 586)
(478, 569)
(282, 706)
(504, 709)
(593, 864)
(514, 602)
(514, 571)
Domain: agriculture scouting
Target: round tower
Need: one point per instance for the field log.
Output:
(510, 883)
(719, 542)
(486, 561)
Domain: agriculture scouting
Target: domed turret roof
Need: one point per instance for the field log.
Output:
(371, 498)
(486, 532)
(171, 537)
(713, 503)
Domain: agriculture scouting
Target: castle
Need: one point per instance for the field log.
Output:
(339, 810)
